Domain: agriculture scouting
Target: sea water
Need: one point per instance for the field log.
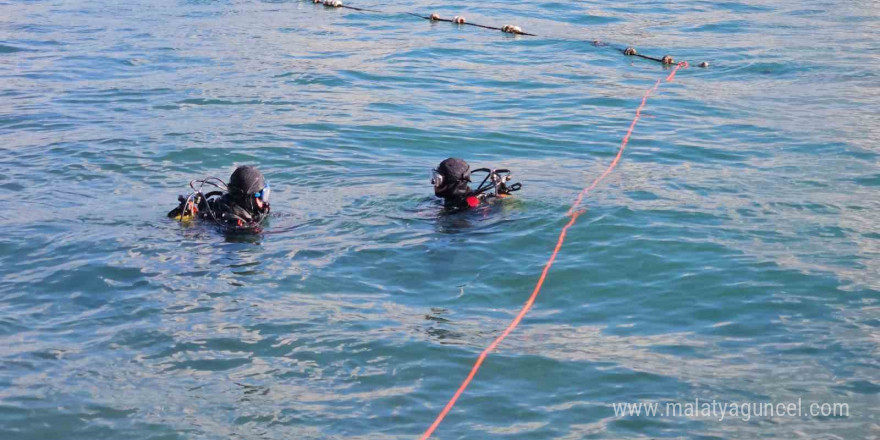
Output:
(731, 256)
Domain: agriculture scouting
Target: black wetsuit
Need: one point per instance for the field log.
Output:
(453, 185)
(466, 201)
(227, 211)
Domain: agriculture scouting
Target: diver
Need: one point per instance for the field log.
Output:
(238, 206)
(451, 179)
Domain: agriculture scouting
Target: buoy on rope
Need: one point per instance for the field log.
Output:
(511, 29)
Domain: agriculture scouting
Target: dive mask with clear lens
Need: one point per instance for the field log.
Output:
(436, 178)
(263, 194)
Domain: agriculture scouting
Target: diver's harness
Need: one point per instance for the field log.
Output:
(495, 183)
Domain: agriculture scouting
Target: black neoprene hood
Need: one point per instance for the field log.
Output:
(454, 169)
(246, 180)
(456, 175)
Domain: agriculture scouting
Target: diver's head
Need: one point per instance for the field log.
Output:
(249, 188)
(450, 179)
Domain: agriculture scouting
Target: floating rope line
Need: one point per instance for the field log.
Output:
(574, 212)
(509, 29)
(338, 4)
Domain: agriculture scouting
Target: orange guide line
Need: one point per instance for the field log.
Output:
(574, 213)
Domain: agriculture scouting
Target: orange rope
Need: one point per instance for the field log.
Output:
(574, 213)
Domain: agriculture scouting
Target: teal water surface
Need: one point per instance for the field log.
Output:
(732, 255)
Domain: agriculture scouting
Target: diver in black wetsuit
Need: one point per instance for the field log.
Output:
(451, 178)
(242, 207)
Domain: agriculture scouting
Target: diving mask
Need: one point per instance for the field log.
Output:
(263, 194)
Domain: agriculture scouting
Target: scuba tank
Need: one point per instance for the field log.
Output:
(188, 208)
(191, 205)
(195, 202)
(496, 183)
